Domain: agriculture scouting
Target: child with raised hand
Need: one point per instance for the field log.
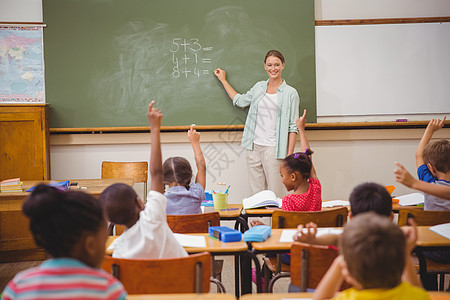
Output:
(147, 234)
(433, 164)
(375, 260)
(299, 175)
(405, 178)
(184, 198)
(70, 226)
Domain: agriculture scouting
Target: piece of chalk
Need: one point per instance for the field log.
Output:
(401, 120)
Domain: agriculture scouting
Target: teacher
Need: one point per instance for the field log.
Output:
(270, 131)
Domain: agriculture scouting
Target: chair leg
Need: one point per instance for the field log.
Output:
(220, 286)
(441, 281)
(267, 276)
(275, 278)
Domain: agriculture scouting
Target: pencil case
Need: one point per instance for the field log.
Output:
(258, 233)
(64, 185)
(225, 234)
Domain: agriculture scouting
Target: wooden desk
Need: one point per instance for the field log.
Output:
(428, 240)
(279, 296)
(276, 296)
(16, 240)
(182, 297)
(231, 213)
(215, 247)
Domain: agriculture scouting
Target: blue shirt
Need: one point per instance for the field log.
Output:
(433, 202)
(288, 112)
(181, 201)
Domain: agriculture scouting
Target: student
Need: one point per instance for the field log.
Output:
(405, 178)
(184, 198)
(375, 257)
(365, 197)
(433, 164)
(147, 234)
(299, 175)
(71, 228)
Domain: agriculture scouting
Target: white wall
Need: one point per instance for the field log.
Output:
(21, 11)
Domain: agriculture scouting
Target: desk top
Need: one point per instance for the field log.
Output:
(273, 242)
(278, 296)
(212, 245)
(425, 238)
(232, 210)
(428, 238)
(91, 186)
(182, 297)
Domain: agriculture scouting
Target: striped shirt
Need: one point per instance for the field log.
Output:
(64, 278)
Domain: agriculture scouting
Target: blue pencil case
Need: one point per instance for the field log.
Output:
(225, 234)
(64, 185)
(258, 233)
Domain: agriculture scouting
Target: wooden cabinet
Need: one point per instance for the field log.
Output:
(24, 153)
(24, 141)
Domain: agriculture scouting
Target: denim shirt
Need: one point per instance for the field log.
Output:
(288, 112)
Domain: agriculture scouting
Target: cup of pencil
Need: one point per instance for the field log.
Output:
(220, 200)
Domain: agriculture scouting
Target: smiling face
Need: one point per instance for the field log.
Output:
(273, 67)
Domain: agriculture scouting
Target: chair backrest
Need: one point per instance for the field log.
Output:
(197, 223)
(189, 274)
(137, 170)
(423, 218)
(335, 217)
(309, 263)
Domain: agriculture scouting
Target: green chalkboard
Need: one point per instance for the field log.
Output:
(106, 59)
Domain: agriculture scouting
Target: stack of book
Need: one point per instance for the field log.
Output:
(11, 185)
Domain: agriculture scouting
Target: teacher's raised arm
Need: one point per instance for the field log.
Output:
(270, 130)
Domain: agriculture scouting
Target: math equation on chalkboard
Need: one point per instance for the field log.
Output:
(190, 58)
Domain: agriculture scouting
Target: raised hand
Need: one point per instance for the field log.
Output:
(154, 115)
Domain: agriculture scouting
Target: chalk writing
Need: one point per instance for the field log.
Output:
(187, 58)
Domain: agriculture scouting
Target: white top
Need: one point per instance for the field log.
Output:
(266, 121)
(151, 236)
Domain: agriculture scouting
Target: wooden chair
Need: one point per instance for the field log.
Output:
(427, 218)
(423, 217)
(309, 263)
(161, 276)
(138, 170)
(199, 223)
(335, 217)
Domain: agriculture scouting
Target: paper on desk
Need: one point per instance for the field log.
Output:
(287, 235)
(333, 203)
(442, 229)
(187, 240)
(411, 199)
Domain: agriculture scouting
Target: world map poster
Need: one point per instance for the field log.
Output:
(21, 65)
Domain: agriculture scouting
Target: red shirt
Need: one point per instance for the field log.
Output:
(309, 201)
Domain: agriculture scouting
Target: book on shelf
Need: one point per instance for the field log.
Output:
(261, 199)
(11, 185)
